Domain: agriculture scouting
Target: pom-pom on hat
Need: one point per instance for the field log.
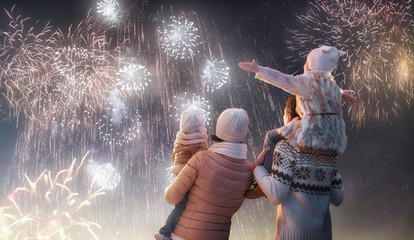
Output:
(324, 58)
(191, 121)
(232, 125)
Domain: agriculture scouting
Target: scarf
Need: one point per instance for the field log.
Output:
(234, 150)
(191, 138)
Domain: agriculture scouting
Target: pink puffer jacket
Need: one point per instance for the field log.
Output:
(216, 185)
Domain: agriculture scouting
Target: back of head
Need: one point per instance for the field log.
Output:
(324, 59)
(191, 121)
(291, 105)
(232, 125)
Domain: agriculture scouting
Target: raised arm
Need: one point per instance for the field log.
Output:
(288, 83)
(347, 96)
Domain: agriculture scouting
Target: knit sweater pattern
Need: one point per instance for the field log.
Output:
(302, 185)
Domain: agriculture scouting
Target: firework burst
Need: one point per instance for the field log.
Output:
(133, 78)
(215, 74)
(77, 68)
(25, 61)
(180, 38)
(49, 207)
(194, 102)
(377, 38)
(105, 176)
(110, 11)
(118, 133)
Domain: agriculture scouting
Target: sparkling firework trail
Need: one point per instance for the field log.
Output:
(25, 62)
(377, 38)
(179, 38)
(119, 133)
(133, 78)
(77, 66)
(49, 207)
(215, 74)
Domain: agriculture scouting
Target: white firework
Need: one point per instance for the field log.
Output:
(133, 77)
(180, 38)
(118, 132)
(77, 67)
(110, 11)
(215, 74)
(194, 102)
(104, 176)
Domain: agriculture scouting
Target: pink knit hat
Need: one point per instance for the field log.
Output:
(232, 125)
(192, 121)
(324, 58)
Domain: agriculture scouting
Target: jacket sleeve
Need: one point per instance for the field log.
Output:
(288, 83)
(183, 182)
(173, 154)
(277, 184)
(337, 191)
(271, 139)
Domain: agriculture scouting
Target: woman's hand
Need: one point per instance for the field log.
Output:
(249, 67)
(348, 97)
(259, 161)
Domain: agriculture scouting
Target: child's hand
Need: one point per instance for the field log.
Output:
(249, 67)
(348, 97)
(260, 159)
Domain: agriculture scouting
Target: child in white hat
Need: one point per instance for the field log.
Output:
(191, 138)
(318, 100)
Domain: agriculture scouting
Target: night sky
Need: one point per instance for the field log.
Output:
(377, 165)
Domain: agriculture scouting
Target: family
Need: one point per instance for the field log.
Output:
(297, 170)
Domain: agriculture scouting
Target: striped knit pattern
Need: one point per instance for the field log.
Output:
(311, 172)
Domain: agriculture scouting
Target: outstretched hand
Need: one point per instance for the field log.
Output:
(259, 161)
(348, 97)
(249, 67)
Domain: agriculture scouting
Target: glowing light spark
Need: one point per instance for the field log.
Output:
(133, 77)
(215, 74)
(109, 9)
(194, 102)
(403, 69)
(118, 133)
(118, 107)
(49, 207)
(104, 176)
(179, 38)
(375, 35)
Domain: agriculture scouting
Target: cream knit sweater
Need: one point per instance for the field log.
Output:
(302, 185)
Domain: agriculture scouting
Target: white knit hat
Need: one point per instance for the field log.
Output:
(192, 121)
(324, 58)
(232, 125)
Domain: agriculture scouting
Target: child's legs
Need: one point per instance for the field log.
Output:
(173, 218)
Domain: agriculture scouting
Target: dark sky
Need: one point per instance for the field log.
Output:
(377, 167)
